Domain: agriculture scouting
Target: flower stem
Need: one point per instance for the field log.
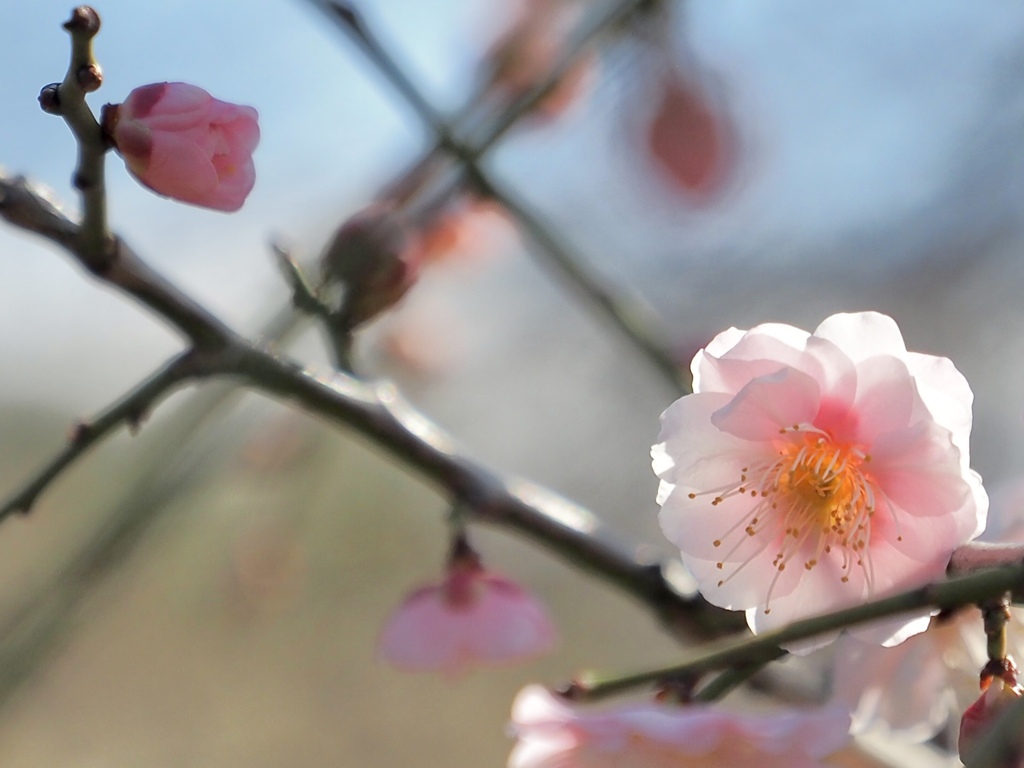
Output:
(94, 241)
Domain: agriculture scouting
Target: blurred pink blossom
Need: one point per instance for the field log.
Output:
(553, 733)
(810, 472)
(181, 142)
(906, 689)
(528, 50)
(473, 617)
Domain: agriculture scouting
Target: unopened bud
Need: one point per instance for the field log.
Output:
(90, 78)
(979, 718)
(83, 19)
(371, 258)
(49, 99)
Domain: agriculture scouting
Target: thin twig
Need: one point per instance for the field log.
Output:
(94, 242)
(951, 593)
(732, 679)
(129, 410)
(304, 295)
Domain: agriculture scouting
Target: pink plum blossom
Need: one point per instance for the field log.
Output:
(473, 617)
(552, 733)
(809, 472)
(181, 142)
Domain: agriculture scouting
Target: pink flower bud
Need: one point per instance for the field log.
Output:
(181, 142)
(982, 715)
(473, 617)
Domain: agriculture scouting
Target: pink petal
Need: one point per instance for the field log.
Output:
(507, 623)
(770, 405)
(420, 635)
(687, 436)
(886, 400)
(863, 334)
(947, 396)
(178, 169)
(918, 469)
(728, 364)
(179, 107)
(498, 623)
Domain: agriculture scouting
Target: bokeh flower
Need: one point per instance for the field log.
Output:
(552, 733)
(809, 472)
(181, 142)
(528, 50)
(472, 618)
(690, 139)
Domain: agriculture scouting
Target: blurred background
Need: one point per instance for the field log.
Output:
(209, 592)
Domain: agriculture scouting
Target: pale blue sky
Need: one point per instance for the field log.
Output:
(874, 133)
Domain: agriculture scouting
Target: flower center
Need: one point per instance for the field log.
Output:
(811, 497)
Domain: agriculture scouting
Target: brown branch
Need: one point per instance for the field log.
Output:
(377, 411)
(130, 410)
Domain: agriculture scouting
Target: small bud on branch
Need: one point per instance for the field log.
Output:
(84, 20)
(49, 99)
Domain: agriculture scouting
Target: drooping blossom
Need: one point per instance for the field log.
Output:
(552, 733)
(472, 618)
(809, 472)
(181, 142)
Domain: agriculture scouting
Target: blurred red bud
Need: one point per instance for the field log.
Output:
(371, 257)
(981, 716)
(689, 139)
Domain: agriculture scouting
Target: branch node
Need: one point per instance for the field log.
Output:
(90, 77)
(49, 99)
(80, 432)
(348, 14)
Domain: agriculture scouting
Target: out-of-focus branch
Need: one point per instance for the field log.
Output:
(628, 314)
(129, 410)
